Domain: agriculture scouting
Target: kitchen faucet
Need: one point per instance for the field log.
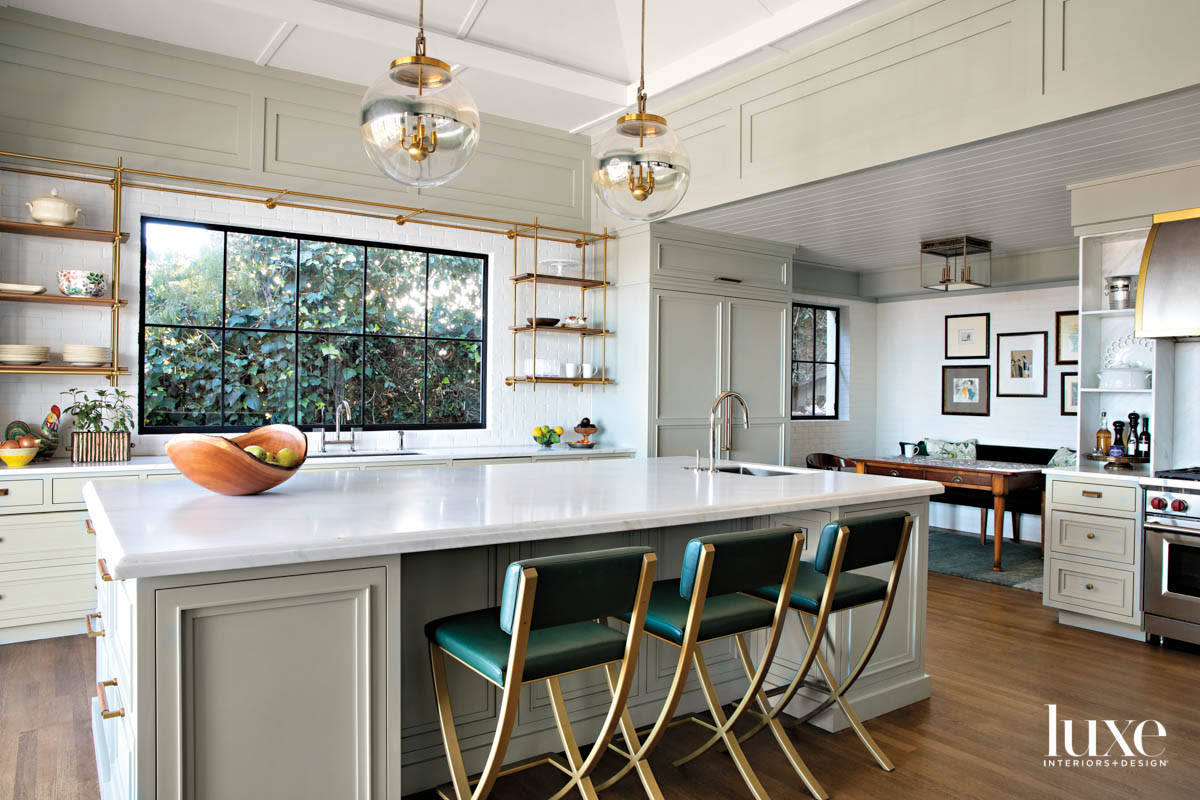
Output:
(712, 424)
(337, 427)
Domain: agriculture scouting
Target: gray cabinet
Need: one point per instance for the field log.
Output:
(272, 687)
(707, 343)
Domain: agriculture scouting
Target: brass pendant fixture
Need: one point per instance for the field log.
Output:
(419, 124)
(956, 263)
(640, 168)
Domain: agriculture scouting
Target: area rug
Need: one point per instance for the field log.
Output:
(961, 554)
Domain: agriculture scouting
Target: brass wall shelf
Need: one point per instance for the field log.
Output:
(515, 379)
(559, 280)
(17, 297)
(60, 231)
(559, 329)
(106, 370)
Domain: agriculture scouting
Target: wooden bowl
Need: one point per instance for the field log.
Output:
(223, 466)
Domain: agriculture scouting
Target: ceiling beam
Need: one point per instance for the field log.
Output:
(370, 25)
(272, 47)
(464, 29)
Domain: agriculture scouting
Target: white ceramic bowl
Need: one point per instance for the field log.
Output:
(1124, 378)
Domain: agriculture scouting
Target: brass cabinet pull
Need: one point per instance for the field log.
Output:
(895, 473)
(92, 633)
(957, 479)
(1089, 587)
(104, 711)
(3, 492)
(1088, 493)
(87, 527)
(104, 573)
(727, 280)
(1091, 536)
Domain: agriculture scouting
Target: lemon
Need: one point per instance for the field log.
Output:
(537, 431)
(287, 458)
(558, 430)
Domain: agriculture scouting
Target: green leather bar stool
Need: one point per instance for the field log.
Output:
(550, 622)
(706, 604)
(825, 586)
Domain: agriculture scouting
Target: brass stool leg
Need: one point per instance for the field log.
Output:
(837, 693)
(785, 743)
(570, 746)
(458, 772)
(731, 742)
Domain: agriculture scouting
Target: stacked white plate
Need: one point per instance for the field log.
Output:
(86, 355)
(24, 354)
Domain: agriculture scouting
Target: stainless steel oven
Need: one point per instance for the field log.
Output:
(1171, 577)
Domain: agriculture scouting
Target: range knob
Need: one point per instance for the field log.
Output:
(1179, 506)
(1158, 503)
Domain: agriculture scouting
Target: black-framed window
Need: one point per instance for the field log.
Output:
(243, 327)
(816, 363)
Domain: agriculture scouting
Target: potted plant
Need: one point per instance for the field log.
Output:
(102, 425)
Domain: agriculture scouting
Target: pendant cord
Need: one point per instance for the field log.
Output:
(421, 28)
(642, 77)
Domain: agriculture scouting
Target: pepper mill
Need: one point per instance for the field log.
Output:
(1131, 435)
(1118, 446)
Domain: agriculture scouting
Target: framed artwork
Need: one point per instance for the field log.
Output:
(1068, 404)
(966, 390)
(968, 335)
(1021, 364)
(1066, 337)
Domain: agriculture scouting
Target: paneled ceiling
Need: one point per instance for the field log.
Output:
(1011, 189)
(568, 64)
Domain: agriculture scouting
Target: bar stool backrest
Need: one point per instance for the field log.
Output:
(575, 587)
(871, 540)
(741, 561)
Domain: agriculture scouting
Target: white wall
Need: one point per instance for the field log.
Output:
(1186, 451)
(909, 352)
(28, 259)
(853, 434)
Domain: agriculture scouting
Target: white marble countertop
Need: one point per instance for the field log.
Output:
(62, 467)
(956, 463)
(1095, 469)
(175, 527)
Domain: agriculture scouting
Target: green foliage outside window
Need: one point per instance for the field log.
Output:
(245, 328)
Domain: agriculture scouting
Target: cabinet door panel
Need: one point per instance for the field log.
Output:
(688, 374)
(761, 442)
(681, 440)
(272, 688)
(759, 335)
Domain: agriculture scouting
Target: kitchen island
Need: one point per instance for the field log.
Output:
(272, 646)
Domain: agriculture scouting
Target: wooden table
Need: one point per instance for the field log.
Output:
(997, 477)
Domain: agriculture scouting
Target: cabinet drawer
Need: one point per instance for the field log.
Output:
(46, 594)
(44, 538)
(895, 472)
(1094, 495)
(20, 494)
(1109, 538)
(720, 266)
(959, 478)
(70, 490)
(1091, 587)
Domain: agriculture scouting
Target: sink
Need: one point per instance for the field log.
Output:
(363, 453)
(757, 472)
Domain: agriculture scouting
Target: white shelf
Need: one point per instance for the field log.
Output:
(1115, 391)
(1109, 312)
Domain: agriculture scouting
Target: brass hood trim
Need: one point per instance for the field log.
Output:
(1160, 219)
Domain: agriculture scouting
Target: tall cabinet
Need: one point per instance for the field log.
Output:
(710, 312)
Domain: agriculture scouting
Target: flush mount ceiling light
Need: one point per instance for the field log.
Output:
(956, 263)
(640, 169)
(419, 124)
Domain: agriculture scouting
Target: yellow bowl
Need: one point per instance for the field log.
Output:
(18, 456)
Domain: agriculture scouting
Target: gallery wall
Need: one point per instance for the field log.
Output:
(909, 350)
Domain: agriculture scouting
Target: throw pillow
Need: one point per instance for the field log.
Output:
(1063, 457)
(940, 448)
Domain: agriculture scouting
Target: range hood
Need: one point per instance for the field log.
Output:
(1168, 290)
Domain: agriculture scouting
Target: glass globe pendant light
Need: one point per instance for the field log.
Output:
(419, 124)
(640, 168)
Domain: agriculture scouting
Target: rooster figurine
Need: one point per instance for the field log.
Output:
(48, 439)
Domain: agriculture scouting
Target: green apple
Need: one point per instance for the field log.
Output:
(257, 452)
(287, 458)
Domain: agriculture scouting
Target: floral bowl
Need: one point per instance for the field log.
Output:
(81, 283)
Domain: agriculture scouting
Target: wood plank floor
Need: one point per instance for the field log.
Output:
(995, 654)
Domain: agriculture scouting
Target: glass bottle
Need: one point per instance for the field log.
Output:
(1103, 437)
(1118, 439)
(1131, 433)
(1143, 445)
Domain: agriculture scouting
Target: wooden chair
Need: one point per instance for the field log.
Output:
(828, 461)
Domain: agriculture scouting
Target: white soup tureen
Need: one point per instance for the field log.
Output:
(53, 210)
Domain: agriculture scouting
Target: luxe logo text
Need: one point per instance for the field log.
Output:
(1104, 743)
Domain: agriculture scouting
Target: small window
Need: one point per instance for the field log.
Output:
(815, 361)
(241, 328)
